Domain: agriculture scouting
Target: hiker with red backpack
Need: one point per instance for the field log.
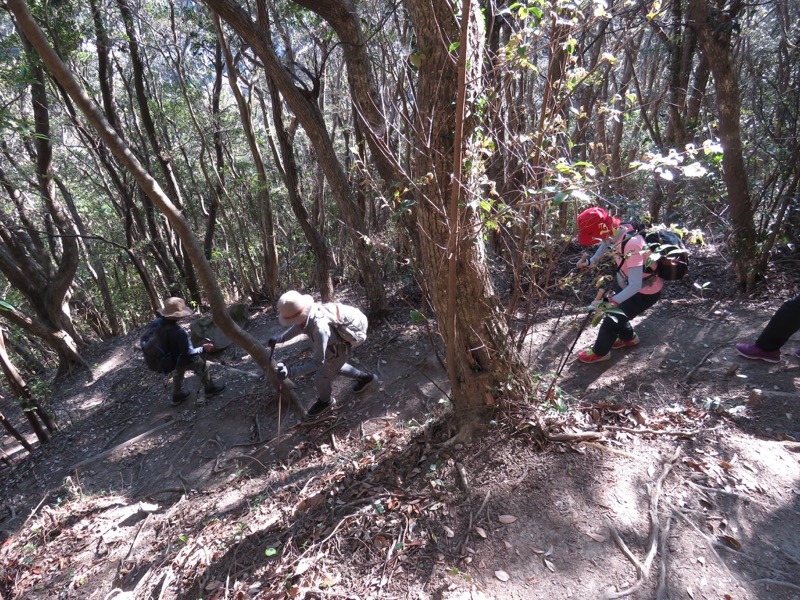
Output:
(783, 325)
(639, 287)
(333, 329)
(168, 349)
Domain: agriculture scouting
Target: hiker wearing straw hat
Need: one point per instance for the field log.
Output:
(174, 343)
(333, 330)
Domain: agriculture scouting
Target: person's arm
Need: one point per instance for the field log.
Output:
(319, 333)
(635, 278)
(190, 349)
(605, 246)
(287, 335)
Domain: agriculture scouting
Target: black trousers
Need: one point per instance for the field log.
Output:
(783, 325)
(620, 325)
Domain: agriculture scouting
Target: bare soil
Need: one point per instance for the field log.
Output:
(670, 472)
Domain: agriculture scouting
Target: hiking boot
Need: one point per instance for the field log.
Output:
(319, 409)
(214, 389)
(620, 343)
(588, 356)
(179, 397)
(363, 383)
(753, 352)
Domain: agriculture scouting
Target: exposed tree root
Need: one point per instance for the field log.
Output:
(654, 537)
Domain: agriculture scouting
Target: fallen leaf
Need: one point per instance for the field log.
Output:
(596, 536)
(213, 585)
(549, 550)
(691, 594)
(502, 575)
(507, 544)
(329, 581)
(732, 542)
(549, 565)
(310, 503)
(481, 532)
(448, 532)
(506, 519)
(537, 550)
(303, 566)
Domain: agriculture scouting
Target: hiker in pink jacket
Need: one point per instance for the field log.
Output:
(639, 289)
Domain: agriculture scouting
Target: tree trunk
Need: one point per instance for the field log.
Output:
(311, 118)
(120, 150)
(456, 273)
(33, 411)
(265, 201)
(714, 34)
(15, 433)
(164, 160)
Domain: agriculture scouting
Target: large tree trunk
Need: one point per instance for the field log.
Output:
(714, 34)
(164, 160)
(311, 118)
(265, 200)
(456, 273)
(24, 260)
(118, 147)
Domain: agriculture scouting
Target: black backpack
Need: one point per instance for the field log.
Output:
(156, 357)
(669, 258)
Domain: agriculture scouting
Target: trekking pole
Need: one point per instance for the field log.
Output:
(583, 257)
(598, 297)
(280, 389)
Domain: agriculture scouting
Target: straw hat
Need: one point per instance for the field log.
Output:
(293, 308)
(175, 308)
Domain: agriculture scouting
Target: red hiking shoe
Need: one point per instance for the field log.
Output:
(625, 344)
(588, 356)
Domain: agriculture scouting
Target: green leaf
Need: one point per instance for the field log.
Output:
(6, 306)
(270, 551)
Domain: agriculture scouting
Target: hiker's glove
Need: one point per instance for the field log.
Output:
(595, 304)
(282, 370)
(273, 341)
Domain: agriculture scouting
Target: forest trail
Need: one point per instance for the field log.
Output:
(675, 474)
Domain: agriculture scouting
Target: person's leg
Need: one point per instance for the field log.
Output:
(177, 380)
(620, 325)
(200, 367)
(178, 396)
(335, 359)
(363, 379)
(783, 325)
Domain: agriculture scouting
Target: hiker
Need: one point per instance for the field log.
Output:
(783, 325)
(176, 344)
(639, 289)
(322, 323)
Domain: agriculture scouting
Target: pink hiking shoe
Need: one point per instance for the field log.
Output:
(588, 356)
(623, 344)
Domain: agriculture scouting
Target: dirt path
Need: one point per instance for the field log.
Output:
(674, 479)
